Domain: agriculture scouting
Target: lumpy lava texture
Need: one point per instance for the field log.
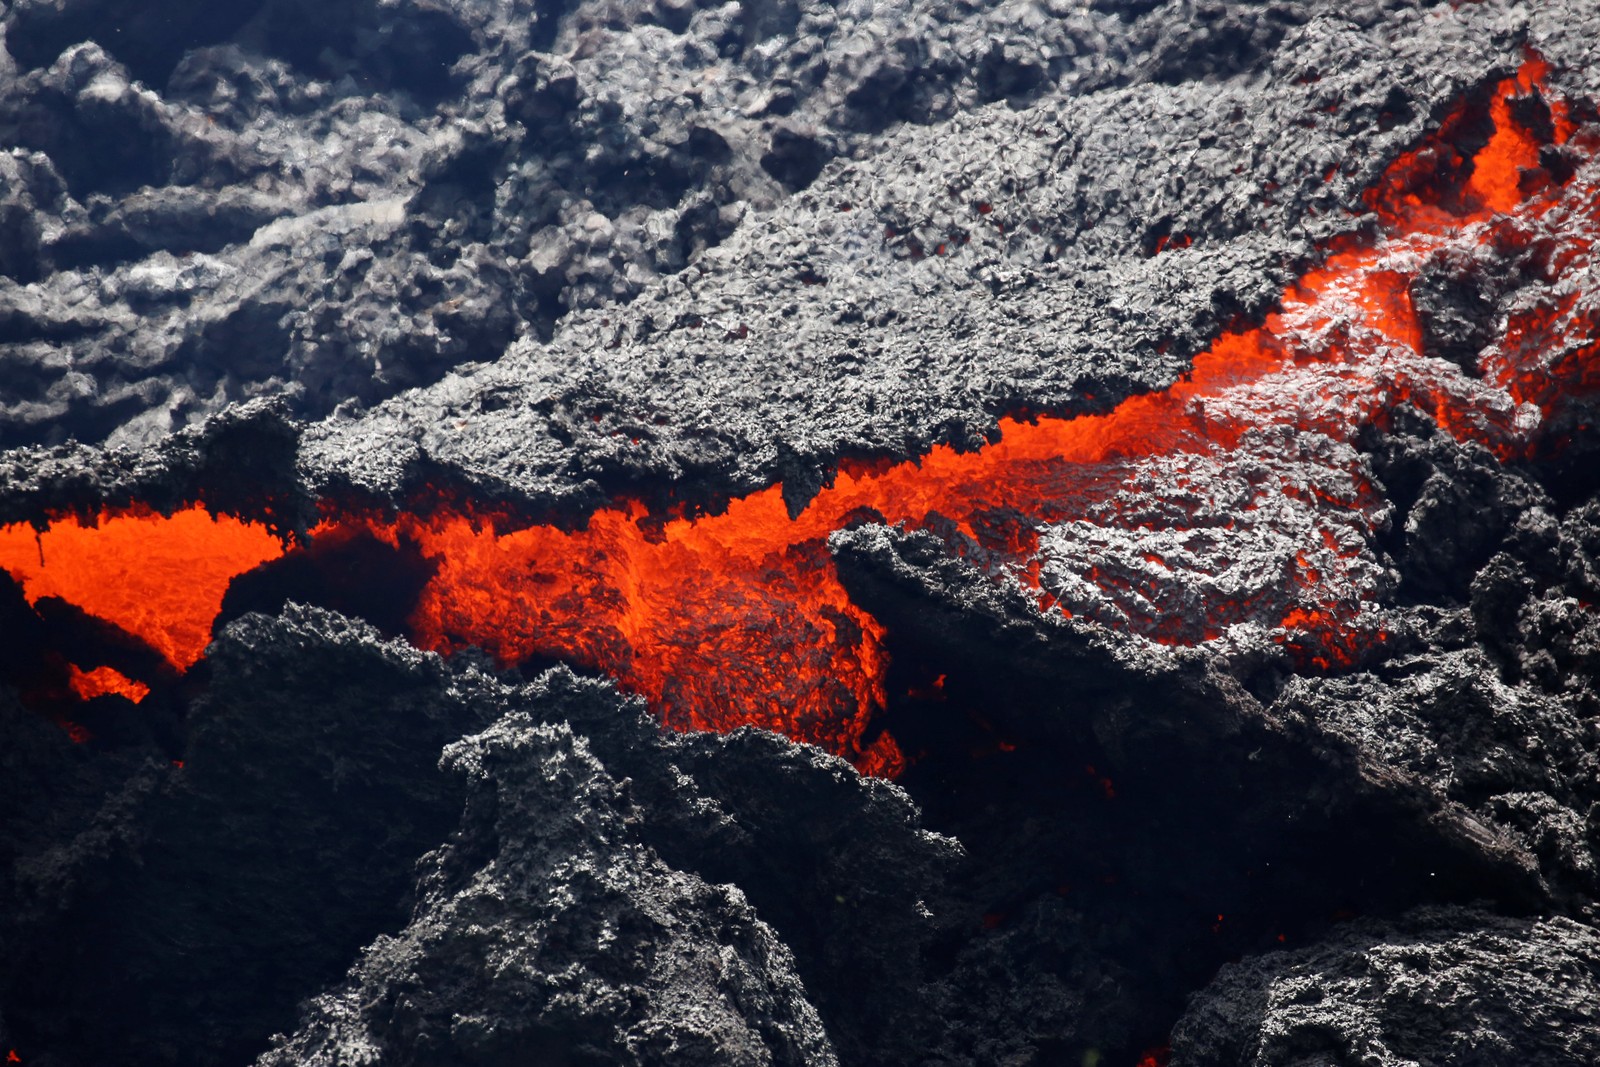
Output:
(161, 578)
(1232, 506)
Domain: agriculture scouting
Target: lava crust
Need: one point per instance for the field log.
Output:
(783, 533)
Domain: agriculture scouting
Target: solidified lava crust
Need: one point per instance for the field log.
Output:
(1146, 519)
(1152, 443)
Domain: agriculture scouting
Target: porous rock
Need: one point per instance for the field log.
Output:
(1434, 987)
(569, 938)
(546, 254)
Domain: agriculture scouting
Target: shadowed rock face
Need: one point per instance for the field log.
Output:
(1440, 986)
(290, 258)
(572, 940)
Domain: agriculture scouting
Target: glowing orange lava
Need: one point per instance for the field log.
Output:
(1232, 506)
(161, 578)
(104, 680)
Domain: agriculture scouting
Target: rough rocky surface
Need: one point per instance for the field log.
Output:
(215, 881)
(311, 761)
(996, 261)
(544, 254)
(571, 940)
(334, 225)
(1438, 986)
(242, 459)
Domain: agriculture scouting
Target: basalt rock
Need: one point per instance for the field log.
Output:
(303, 263)
(572, 941)
(246, 860)
(431, 184)
(241, 460)
(624, 906)
(1437, 986)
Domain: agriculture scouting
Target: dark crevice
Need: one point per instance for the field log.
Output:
(149, 40)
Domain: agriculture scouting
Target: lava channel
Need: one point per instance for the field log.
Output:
(1232, 507)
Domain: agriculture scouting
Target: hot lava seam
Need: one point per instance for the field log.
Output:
(1231, 507)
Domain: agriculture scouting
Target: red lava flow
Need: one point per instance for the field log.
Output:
(1231, 504)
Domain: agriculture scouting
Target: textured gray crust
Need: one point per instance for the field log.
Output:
(1493, 781)
(241, 461)
(200, 897)
(569, 938)
(595, 893)
(832, 324)
(1440, 986)
(547, 253)
(442, 181)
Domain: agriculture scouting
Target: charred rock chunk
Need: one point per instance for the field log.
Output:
(572, 941)
(1439, 986)
(150, 41)
(1456, 505)
(245, 879)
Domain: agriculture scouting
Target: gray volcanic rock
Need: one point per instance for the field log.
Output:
(333, 202)
(241, 460)
(1456, 506)
(433, 183)
(207, 893)
(1530, 603)
(1517, 770)
(1435, 987)
(1502, 779)
(52, 829)
(538, 255)
(999, 260)
(569, 938)
(157, 294)
(603, 896)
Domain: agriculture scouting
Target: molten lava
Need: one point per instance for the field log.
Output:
(1232, 506)
(160, 578)
(104, 680)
